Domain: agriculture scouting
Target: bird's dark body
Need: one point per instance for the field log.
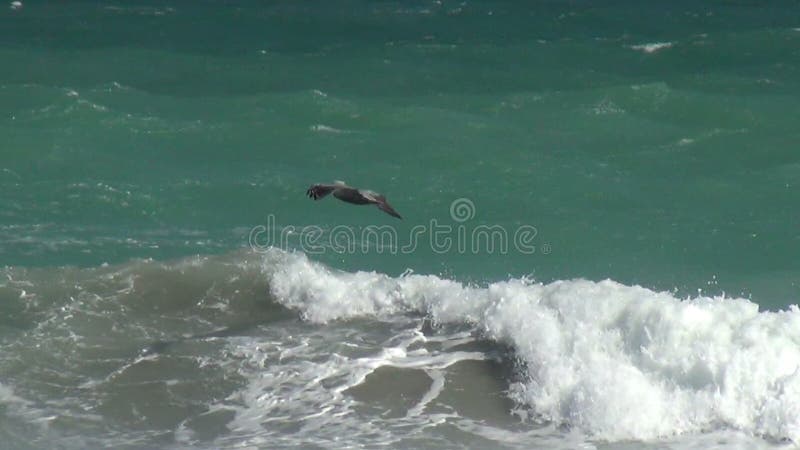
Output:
(351, 196)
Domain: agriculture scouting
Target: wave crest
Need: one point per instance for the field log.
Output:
(615, 361)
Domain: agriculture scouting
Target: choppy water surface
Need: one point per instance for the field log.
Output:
(651, 148)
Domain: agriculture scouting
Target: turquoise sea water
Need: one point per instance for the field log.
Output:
(653, 145)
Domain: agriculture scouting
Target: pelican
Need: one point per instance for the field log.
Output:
(352, 195)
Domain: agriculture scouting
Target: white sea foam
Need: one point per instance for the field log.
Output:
(652, 47)
(12, 405)
(320, 128)
(305, 384)
(613, 361)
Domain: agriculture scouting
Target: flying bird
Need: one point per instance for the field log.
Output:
(352, 195)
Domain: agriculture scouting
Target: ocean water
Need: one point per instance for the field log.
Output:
(599, 245)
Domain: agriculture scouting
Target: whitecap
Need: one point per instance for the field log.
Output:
(652, 47)
(616, 362)
(320, 128)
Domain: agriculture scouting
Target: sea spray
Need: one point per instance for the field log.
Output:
(614, 361)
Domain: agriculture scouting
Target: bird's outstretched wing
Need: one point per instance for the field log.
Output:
(384, 206)
(317, 191)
